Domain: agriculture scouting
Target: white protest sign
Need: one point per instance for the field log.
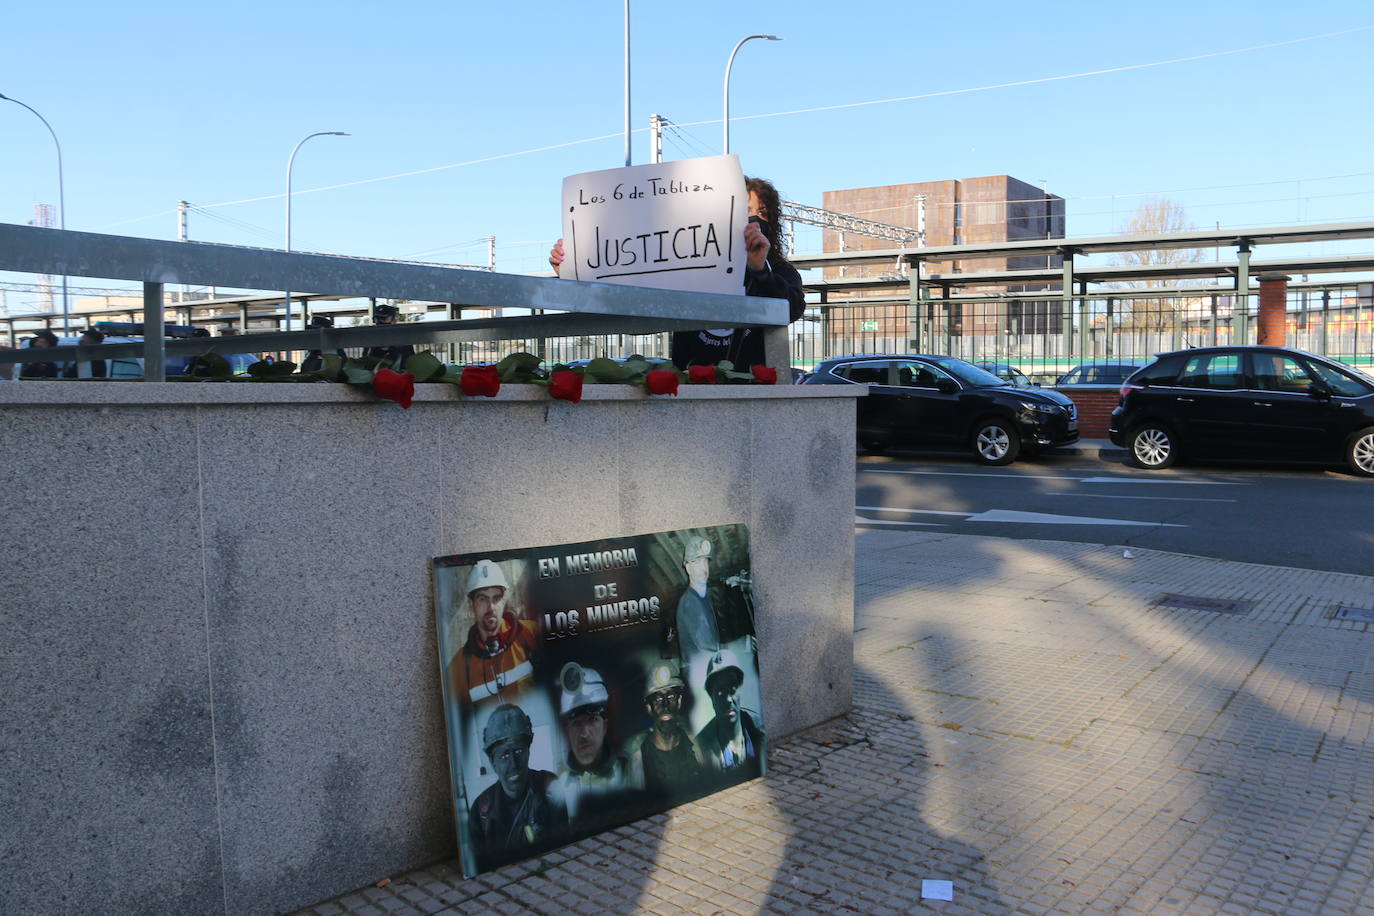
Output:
(673, 225)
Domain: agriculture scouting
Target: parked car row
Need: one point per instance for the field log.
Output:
(1246, 402)
(1263, 403)
(1105, 373)
(940, 400)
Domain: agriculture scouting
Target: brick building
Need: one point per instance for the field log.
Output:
(994, 208)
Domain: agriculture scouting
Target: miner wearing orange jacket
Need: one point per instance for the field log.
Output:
(499, 647)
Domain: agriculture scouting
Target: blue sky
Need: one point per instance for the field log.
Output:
(158, 102)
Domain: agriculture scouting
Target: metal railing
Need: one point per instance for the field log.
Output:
(552, 308)
(1045, 336)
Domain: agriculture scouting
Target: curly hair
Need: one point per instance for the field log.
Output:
(772, 216)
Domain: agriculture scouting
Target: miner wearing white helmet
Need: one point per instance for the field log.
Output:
(698, 632)
(591, 767)
(499, 647)
(732, 742)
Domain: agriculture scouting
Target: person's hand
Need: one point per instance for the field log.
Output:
(556, 255)
(756, 246)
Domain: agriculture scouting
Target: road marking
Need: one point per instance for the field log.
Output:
(1205, 483)
(1191, 499)
(967, 474)
(1039, 518)
(860, 520)
(1209, 483)
(1015, 515)
(910, 511)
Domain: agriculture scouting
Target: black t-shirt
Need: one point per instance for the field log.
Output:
(742, 347)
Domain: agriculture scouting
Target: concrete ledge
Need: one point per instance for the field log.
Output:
(46, 393)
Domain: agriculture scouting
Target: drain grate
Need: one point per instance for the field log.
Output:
(1358, 614)
(1197, 603)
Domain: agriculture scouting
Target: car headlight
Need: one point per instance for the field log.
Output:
(1044, 409)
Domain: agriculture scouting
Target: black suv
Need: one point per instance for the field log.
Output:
(1257, 403)
(940, 400)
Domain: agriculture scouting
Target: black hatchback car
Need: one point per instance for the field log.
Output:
(1258, 403)
(943, 401)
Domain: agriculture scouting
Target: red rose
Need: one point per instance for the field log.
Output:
(394, 386)
(661, 381)
(764, 375)
(701, 375)
(566, 385)
(480, 380)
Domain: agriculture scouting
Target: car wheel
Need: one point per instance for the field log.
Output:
(1152, 446)
(995, 442)
(1359, 452)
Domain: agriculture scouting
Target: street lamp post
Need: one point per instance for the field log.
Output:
(289, 162)
(629, 157)
(728, 65)
(61, 209)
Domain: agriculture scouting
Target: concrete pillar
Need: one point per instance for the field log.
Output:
(1273, 310)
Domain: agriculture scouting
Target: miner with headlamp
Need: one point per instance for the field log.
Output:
(499, 648)
(591, 767)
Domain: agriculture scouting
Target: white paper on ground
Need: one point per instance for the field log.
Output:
(937, 890)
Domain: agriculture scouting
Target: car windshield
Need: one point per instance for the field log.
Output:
(970, 374)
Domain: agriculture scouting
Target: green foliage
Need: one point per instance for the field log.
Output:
(424, 366)
(357, 375)
(606, 371)
(262, 369)
(519, 367)
(331, 367)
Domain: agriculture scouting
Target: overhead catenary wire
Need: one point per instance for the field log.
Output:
(798, 111)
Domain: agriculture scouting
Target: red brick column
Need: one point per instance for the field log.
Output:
(1273, 310)
(1094, 409)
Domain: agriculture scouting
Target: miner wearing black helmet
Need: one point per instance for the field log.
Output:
(732, 742)
(518, 810)
(664, 759)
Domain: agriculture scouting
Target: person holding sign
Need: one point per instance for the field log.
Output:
(767, 273)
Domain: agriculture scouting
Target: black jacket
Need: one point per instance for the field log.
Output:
(742, 347)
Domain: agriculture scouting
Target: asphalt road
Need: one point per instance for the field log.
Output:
(1301, 516)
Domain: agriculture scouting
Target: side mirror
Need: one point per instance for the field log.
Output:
(1319, 390)
(947, 386)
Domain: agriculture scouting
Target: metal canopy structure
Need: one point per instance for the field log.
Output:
(1224, 238)
(1109, 274)
(1070, 282)
(843, 222)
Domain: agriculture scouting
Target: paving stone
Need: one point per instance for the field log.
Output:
(1088, 753)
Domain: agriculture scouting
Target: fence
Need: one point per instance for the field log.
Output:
(1044, 337)
(1041, 334)
(547, 309)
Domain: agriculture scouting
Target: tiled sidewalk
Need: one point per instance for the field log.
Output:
(1031, 726)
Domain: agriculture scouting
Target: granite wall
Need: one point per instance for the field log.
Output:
(219, 690)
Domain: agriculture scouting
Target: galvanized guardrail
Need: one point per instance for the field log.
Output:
(579, 308)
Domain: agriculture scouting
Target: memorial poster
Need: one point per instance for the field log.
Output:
(588, 685)
(672, 225)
